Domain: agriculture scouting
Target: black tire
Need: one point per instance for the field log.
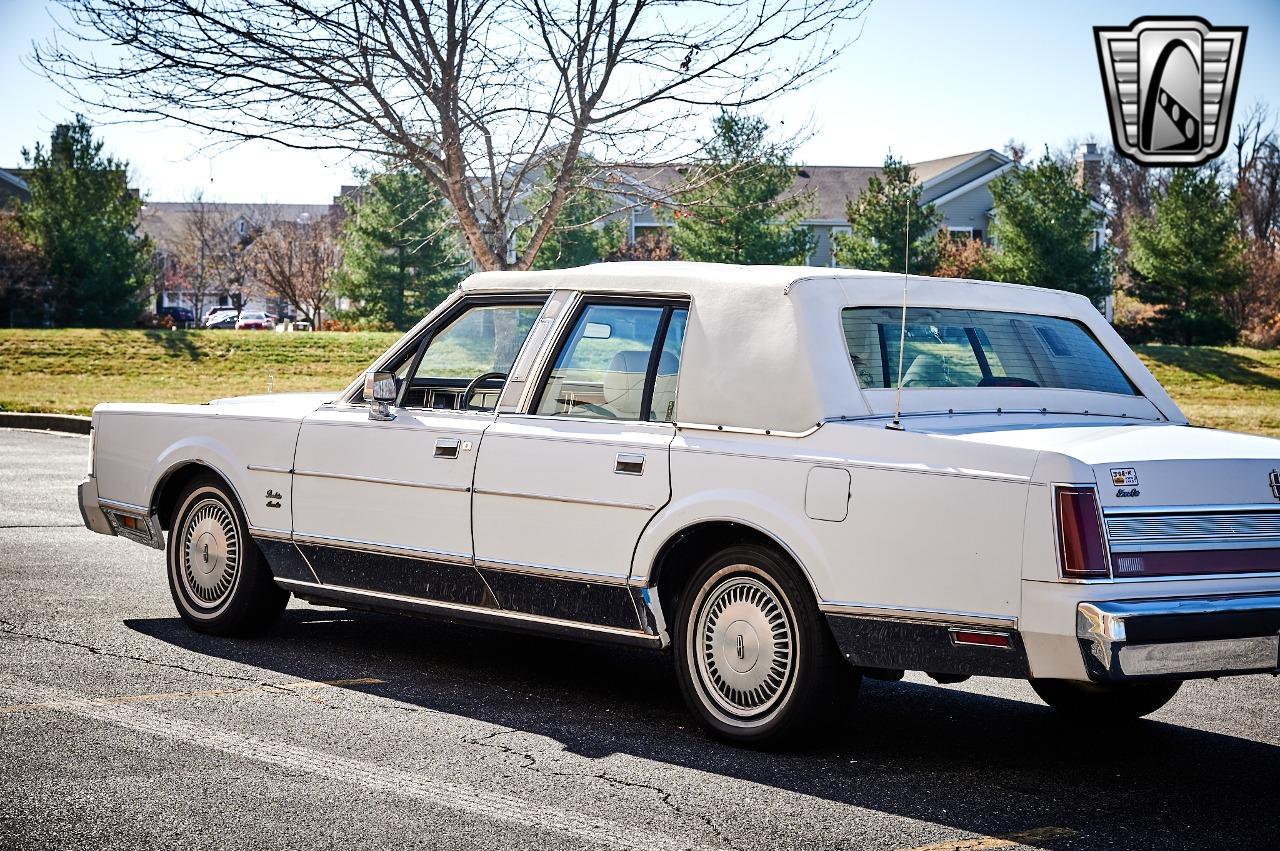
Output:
(218, 578)
(775, 619)
(1084, 701)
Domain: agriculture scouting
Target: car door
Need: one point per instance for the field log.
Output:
(385, 506)
(564, 489)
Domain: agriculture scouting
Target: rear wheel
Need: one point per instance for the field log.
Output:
(1106, 702)
(755, 660)
(217, 576)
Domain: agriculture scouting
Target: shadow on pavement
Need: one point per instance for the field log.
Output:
(977, 763)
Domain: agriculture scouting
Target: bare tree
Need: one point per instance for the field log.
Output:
(296, 261)
(206, 249)
(480, 96)
(1258, 175)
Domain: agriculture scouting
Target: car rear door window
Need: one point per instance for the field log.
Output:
(620, 362)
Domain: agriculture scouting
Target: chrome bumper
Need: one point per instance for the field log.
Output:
(115, 518)
(95, 519)
(1180, 638)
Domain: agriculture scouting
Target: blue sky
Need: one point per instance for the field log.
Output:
(926, 79)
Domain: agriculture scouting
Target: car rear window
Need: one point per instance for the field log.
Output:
(947, 347)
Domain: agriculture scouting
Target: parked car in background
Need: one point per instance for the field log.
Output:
(183, 317)
(224, 320)
(707, 459)
(254, 321)
(217, 309)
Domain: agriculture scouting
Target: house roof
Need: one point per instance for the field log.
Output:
(14, 181)
(828, 186)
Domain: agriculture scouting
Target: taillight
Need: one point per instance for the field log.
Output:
(1082, 552)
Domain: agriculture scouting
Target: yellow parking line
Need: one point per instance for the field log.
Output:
(304, 685)
(1008, 840)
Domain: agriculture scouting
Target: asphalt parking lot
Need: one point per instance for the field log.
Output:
(121, 728)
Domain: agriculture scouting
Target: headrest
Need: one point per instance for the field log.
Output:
(624, 382)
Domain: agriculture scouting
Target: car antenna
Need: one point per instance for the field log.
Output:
(896, 425)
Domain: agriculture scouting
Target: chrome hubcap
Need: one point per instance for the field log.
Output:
(210, 553)
(746, 646)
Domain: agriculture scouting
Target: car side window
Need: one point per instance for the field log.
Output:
(606, 367)
(485, 338)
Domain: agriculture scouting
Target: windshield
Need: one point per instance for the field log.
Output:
(948, 347)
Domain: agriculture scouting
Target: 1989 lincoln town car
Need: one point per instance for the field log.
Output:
(705, 458)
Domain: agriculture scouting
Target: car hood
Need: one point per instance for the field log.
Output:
(1145, 465)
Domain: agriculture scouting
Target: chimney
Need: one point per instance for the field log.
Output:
(1089, 170)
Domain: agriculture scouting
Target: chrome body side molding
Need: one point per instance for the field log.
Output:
(943, 616)
(474, 614)
(400, 483)
(572, 500)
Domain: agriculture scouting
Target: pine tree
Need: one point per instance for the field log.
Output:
(1044, 227)
(735, 210)
(1187, 256)
(879, 227)
(399, 259)
(82, 216)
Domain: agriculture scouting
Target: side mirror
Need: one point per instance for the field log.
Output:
(380, 391)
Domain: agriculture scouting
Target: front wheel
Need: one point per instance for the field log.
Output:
(754, 658)
(217, 576)
(1106, 702)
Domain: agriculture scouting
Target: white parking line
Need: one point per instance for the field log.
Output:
(595, 831)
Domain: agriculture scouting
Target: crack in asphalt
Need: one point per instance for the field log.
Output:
(12, 629)
(41, 526)
(667, 797)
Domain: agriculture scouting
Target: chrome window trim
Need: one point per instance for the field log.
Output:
(940, 616)
(681, 426)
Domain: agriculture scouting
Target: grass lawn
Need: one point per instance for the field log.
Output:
(1233, 388)
(72, 370)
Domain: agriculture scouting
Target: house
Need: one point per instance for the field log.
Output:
(12, 187)
(188, 234)
(958, 186)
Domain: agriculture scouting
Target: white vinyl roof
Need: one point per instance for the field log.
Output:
(764, 347)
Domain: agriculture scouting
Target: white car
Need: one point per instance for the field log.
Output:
(705, 458)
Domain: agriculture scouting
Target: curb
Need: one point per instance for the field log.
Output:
(46, 422)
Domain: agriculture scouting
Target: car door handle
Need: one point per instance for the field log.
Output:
(447, 447)
(629, 465)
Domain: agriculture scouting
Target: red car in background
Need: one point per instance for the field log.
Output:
(254, 322)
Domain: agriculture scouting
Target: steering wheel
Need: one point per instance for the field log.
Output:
(464, 401)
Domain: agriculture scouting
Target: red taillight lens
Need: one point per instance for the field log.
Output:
(1083, 553)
